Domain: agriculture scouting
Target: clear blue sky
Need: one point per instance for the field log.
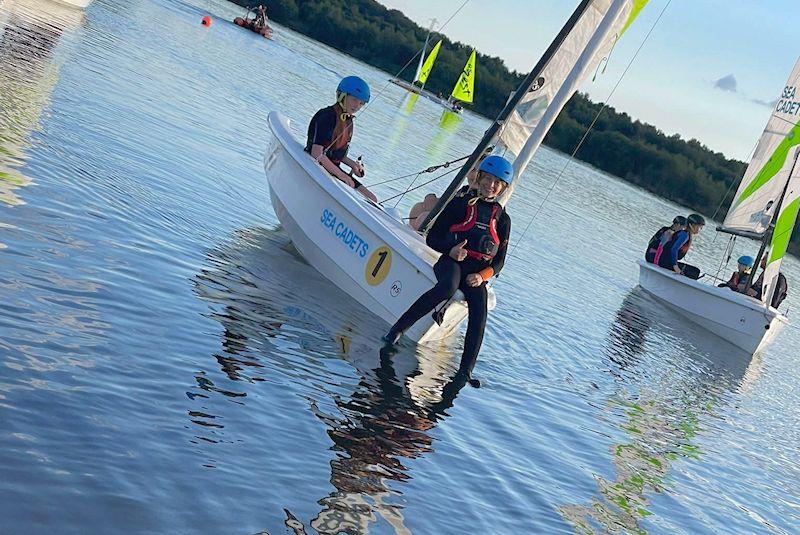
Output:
(707, 71)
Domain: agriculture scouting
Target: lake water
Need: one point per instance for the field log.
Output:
(167, 365)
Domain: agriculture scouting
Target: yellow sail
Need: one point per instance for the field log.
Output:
(466, 82)
(428, 65)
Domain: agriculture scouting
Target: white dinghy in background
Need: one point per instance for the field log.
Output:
(741, 320)
(765, 208)
(373, 256)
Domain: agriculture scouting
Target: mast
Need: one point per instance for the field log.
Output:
(422, 55)
(566, 90)
(770, 230)
(450, 192)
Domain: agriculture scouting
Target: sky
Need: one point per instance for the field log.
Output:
(709, 69)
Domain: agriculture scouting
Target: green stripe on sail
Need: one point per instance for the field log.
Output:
(774, 164)
(638, 5)
(783, 231)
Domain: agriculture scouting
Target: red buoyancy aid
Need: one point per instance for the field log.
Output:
(479, 228)
(342, 134)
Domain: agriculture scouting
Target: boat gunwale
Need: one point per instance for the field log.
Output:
(730, 296)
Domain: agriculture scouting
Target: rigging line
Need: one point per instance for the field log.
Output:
(784, 120)
(733, 181)
(726, 257)
(430, 169)
(589, 129)
(434, 179)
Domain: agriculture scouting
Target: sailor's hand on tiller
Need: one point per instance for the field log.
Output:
(458, 252)
(474, 279)
(358, 169)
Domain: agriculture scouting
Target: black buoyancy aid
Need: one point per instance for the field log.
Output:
(342, 134)
(479, 228)
(656, 239)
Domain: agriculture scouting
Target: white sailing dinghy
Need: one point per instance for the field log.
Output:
(374, 257)
(764, 208)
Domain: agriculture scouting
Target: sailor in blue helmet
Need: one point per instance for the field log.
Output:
(739, 277)
(472, 235)
(331, 129)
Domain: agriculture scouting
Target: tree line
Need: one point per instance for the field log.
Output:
(686, 172)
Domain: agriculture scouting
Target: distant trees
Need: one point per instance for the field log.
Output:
(686, 172)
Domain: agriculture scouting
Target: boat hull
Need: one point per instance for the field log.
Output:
(379, 261)
(743, 321)
(427, 94)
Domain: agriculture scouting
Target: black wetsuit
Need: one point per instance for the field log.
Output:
(781, 290)
(451, 276)
(331, 132)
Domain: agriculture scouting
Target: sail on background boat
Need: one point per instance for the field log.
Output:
(768, 171)
(465, 86)
(425, 70)
(787, 109)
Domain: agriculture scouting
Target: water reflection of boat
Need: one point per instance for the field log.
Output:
(378, 429)
(375, 429)
(668, 384)
(29, 33)
(258, 314)
(642, 325)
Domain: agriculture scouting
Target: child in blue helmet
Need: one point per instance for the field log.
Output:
(331, 129)
(739, 277)
(472, 234)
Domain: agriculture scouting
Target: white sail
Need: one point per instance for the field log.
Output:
(587, 43)
(754, 204)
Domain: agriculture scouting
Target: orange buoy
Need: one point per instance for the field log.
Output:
(206, 21)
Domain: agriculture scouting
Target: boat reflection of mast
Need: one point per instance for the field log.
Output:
(28, 36)
(380, 427)
(662, 422)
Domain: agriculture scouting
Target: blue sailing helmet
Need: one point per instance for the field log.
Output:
(746, 261)
(355, 86)
(498, 167)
